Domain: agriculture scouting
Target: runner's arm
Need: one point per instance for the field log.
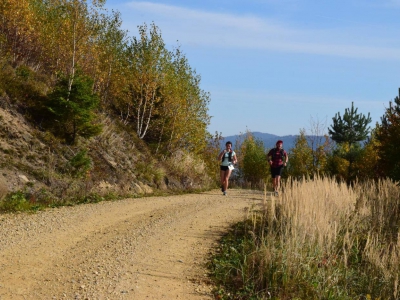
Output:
(234, 159)
(221, 154)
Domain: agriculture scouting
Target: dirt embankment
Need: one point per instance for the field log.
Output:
(147, 248)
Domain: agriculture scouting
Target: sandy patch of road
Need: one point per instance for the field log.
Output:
(148, 248)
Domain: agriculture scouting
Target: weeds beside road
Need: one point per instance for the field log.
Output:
(319, 240)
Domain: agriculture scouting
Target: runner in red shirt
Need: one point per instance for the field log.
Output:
(277, 159)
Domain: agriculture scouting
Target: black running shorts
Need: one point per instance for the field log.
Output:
(276, 171)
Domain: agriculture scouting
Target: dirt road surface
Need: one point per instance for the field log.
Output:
(147, 248)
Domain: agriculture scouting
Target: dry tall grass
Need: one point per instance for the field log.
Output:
(191, 170)
(325, 240)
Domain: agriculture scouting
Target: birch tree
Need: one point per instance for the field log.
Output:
(69, 32)
(110, 79)
(147, 56)
(187, 108)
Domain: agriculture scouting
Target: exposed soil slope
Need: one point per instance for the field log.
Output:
(146, 248)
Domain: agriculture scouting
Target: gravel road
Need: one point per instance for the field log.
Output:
(147, 248)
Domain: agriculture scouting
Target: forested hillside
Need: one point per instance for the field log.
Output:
(88, 110)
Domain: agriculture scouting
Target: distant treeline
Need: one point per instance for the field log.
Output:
(350, 151)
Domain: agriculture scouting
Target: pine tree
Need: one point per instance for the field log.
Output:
(73, 108)
(352, 128)
(348, 132)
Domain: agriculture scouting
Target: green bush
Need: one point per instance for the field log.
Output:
(80, 164)
(73, 108)
(15, 201)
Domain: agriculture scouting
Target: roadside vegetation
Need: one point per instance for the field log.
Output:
(321, 239)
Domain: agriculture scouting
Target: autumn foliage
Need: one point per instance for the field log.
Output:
(152, 89)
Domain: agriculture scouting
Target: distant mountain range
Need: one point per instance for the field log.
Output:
(268, 139)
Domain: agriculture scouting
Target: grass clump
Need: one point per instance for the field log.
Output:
(229, 265)
(319, 240)
(17, 201)
(190, 169)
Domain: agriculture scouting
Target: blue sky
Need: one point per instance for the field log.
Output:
(278, 66)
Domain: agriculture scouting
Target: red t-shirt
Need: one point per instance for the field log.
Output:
(277, 159)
